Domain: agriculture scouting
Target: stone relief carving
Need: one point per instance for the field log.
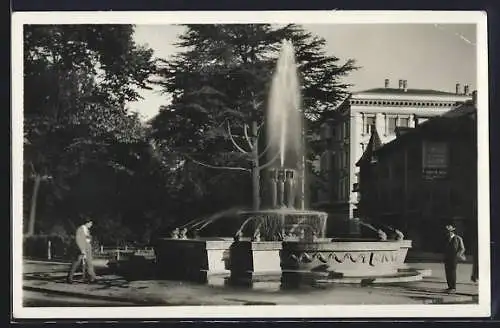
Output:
(371, 258)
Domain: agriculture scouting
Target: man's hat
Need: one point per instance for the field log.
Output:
(87, 219)
(449, 227)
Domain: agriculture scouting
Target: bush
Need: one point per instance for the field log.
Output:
(62, 247)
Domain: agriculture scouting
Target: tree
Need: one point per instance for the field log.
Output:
(77, 79)
(220, 82)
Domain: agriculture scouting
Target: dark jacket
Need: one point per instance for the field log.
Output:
(454, 248)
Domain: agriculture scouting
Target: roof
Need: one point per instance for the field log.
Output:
(409, 91)
(445, 120)
(373, 145)
(463, 110)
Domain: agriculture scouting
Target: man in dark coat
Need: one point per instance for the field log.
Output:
(475, 266)
(453, 252)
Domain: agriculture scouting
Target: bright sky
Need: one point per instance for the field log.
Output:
(429, 56)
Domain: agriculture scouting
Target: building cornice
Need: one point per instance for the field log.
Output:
(406, 102)
(410, 97)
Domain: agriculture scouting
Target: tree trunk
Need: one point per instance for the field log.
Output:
(302, 200)
(34, 197)
(302, 178)
(256, 186)
(255, 169)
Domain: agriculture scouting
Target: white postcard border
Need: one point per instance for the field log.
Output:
(277, 17)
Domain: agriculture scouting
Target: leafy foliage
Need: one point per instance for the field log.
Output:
(79, 136)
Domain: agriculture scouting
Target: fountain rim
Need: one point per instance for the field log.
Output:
(282, 211)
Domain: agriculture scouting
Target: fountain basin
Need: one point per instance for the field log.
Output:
(345, 258)
(243, 261)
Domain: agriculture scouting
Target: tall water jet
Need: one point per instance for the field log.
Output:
(284, 118)
(285, 130)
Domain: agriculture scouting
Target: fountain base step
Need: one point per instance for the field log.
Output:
(298, 278)
(403, 275)
(423, 272)
(249, 278)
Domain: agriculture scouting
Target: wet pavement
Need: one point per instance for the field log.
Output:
(44, 299)
(47, 281)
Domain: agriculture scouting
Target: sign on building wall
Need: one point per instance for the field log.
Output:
(434, 159)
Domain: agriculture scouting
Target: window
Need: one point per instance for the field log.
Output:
(343, 185)
(338, 133)
(404, 122)
(346, 129)
(333, 162)
(391, 125)
(346, 159)
(326, 131)
(323, 162)
(328, 162)
(341, 189)
(369, 121)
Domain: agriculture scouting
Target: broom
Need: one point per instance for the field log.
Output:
(84, 270)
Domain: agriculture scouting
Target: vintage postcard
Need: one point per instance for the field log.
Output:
(302, 164)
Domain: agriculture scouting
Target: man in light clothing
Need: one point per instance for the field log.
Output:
(84, 242)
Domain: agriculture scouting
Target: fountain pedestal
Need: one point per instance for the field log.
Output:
(282, 184)
(249, 260)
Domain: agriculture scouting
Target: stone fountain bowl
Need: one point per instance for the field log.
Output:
(347, 258)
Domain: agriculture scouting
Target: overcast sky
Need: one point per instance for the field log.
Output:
(429, 56)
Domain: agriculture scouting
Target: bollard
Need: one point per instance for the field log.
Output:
(49, 250)
(102, 249)
(126, 248)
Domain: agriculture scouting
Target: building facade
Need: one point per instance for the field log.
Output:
(346, 135)
(424, 179)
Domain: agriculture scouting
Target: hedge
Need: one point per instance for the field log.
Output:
(62, 247)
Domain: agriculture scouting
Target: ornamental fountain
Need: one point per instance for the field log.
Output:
(283, 241)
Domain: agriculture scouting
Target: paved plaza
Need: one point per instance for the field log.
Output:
(44, 285)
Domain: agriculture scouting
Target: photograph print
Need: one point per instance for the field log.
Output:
(310, 164)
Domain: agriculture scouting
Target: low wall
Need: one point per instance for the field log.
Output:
(347, 258)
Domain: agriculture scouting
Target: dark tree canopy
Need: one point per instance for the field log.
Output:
(226, 69)
(83, 150)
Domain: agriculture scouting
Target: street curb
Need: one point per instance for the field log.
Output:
(462, 299)
(97, 297)
(434, 261)
(35, 261)
(96, 262)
